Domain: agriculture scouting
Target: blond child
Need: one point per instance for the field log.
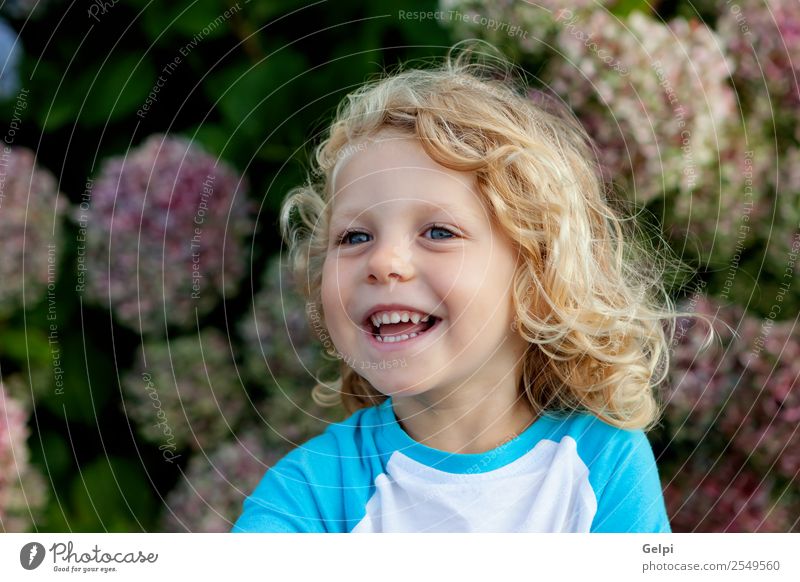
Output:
(500, 332)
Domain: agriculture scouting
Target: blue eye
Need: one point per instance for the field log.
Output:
(347, 236)
(440, 228)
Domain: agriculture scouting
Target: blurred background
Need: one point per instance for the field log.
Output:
(154, 359)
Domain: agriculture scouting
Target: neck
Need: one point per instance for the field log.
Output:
(461, 422)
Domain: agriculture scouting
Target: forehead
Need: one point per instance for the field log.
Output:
(395, 170)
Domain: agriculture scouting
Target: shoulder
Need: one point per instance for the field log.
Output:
(622, 473)
(594, 436)
(604, 449)
(304, 491)
(340, 442)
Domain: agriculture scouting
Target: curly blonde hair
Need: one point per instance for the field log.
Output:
(589, 293)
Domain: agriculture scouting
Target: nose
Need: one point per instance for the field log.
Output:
(390, 260)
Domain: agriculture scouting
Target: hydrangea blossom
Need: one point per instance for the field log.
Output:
(209, 497)
(165, 234)
(22, 488)
(764, 41)
(279, 341)
(699, 382)
(763, 414)
(738, 402)
(658, 102)
(185, 392)
(516, 27)
(723, 496)
(30, 229)
(284, 356)
(782, 231)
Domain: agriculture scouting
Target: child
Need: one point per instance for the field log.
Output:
(497, 328)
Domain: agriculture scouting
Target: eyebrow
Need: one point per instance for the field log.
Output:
(351, 213)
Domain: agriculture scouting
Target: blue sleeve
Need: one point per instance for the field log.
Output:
(284, 501)
(632, 500)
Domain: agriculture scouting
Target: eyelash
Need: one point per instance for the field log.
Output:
(340, 240)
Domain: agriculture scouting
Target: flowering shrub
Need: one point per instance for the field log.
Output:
(764, 42)
(699, 382)
(284, 356)
(732, 413)
(763, 414)
(279, 342)
(517, 27)
(209, 496)
(22, 488)
(658, 102)
(187, 394)
(166, 234)
(30, 228)
(723, 494)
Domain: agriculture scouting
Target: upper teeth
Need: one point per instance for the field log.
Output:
(382, 317)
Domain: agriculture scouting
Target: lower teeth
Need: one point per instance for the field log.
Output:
(396, 338)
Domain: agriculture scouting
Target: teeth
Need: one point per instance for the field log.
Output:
(379, 319)
(390, 339)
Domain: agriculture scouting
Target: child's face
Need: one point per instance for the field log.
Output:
(389, 197)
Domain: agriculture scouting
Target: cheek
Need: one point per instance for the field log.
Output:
(334, 295)
(485, 304)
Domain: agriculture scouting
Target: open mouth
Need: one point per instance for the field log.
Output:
(389, 333)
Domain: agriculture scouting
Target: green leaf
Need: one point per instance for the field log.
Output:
(83, 392)
(121, 87)
(18, 345)
(623, 8)
(214, 139)
(52, 110)
(52, 456)
(188, 18)
(244, 94)
(110, 494)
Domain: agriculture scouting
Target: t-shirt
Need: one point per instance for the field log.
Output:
(564, 473)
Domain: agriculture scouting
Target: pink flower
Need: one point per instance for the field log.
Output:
(165, 234)
(31, 211)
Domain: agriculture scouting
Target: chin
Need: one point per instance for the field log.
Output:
(397, 390)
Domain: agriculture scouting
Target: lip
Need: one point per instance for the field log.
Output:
(389, 307)
(409, 343)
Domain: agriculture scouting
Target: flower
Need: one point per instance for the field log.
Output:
(209, 497)
(22, 488)
(699, 382)
(165, 234)
(280, 343)
(657, 101)
(185, 392)
(30, 229)
(526, 28)
(763, 414)
(283, 356)
(726, 495)
(764, 42)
